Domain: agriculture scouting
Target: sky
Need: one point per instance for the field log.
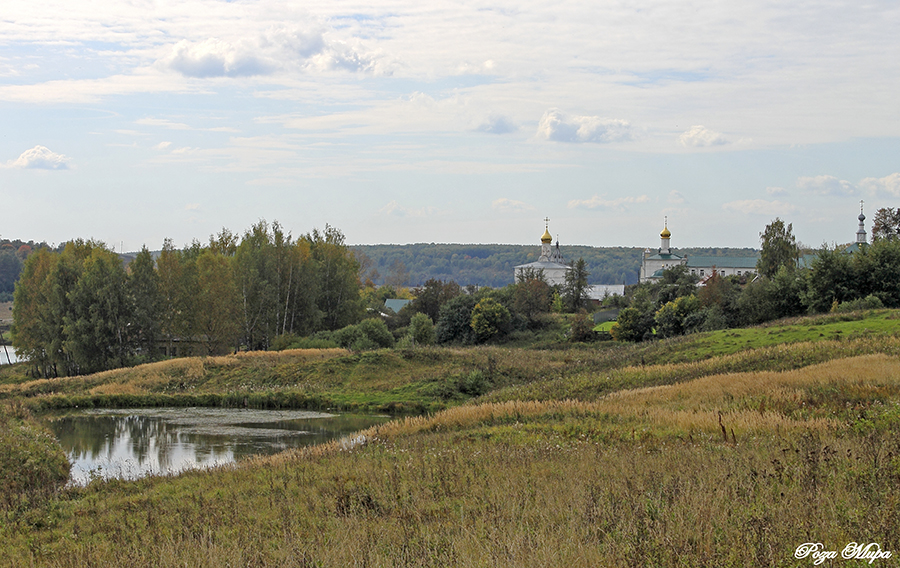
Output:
(397, 121)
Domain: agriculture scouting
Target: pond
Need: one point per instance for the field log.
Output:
(133, 443)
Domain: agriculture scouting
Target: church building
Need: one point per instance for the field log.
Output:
(551, 261)
(653, 263)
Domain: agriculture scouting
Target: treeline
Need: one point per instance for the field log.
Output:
(12, 257)
(835, 280)
(443, 312)
(493, 265)
(80, 310)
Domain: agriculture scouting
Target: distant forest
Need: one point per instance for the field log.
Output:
(493, 265)
(413, 265)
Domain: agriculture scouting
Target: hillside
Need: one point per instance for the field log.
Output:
(724, 449)
(492, 265)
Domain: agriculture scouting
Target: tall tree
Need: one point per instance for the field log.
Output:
(217, 321)
(338, 275)
(779, 248)
(575, 290)
(886, 224)
(532, 296)
(258, 278)
(176, 290)
(143, 290)
(831, 279)
(33, 327)
(96, 325)
(434, 294)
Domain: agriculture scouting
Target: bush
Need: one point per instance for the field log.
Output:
(32, 461)
(870, 302)
(377, 331)
(489, 319)
(454, 322)
(367, 335)
(582, 330)
(632, 325)
(421, 330)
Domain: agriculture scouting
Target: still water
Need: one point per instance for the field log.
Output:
(132, 443)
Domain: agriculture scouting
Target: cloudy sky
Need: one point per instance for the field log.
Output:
(130, 121)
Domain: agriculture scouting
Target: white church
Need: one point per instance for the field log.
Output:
(654, 262)
(554, 268)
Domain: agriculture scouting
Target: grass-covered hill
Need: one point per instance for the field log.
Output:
(725, 449)
(493, 265)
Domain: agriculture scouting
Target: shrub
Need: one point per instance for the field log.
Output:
(489, 319)
(32, 461)
(582, 329)
(632, 325)
(870, 302)
(421, 330)
(366, 335)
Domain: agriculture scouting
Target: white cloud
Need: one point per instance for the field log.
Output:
(597, 202)
(675, 197)
(775, 191)
(40, 158)
(216, 58)
(560, 127)
(162, 145)
(505, 205)
(278, 48)
(826, 185)
(889, 185)
(497, 124)
(701, 137)
(760, 207)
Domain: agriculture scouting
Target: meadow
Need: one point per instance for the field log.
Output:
(730, 449)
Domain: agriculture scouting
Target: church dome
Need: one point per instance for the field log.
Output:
(665, 234)
(861, 217)
(546, 238)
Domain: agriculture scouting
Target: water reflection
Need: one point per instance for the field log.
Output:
(129, 444)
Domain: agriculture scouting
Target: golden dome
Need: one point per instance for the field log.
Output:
(546, 238)
(665, 233)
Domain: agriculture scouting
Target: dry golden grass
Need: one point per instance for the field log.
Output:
(703, 405)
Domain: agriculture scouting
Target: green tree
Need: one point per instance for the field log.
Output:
(143, 291)
(575, 290)
(429, 298)
(886, 225)
(96, 325)
(454, 322)
(779, 248)
(421, 330)
(885, 268)
(532, 297)
(177, 290)
(675, 283)
(670, 318)
(489, 319)
(582, 329)
(632, 325)
(34, 325)
(831, 279)
(337, 272)
(257, 279)
(217, 323)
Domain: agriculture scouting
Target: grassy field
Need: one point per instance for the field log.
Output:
(724, 449)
